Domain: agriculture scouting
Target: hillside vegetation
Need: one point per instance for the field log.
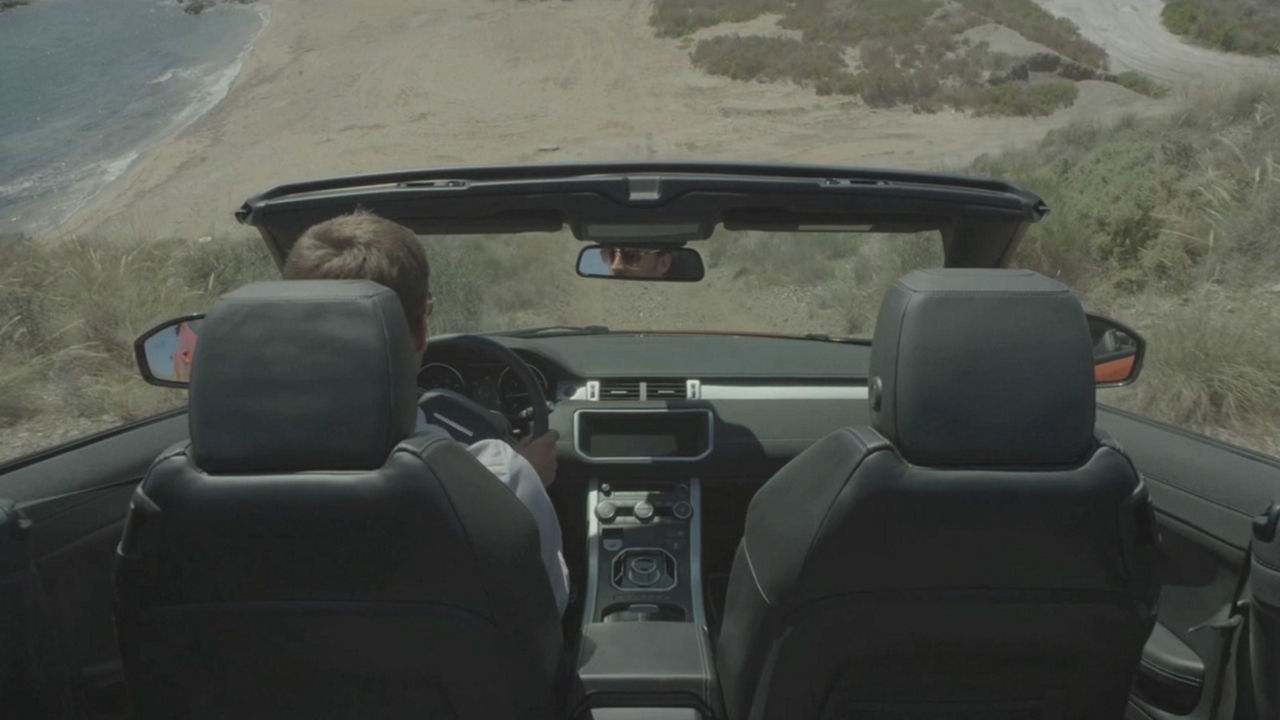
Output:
(1174, 225)
(1243, 26)
(901, 52)
(1170, 224)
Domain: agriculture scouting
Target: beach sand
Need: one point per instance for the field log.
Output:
(331, 89)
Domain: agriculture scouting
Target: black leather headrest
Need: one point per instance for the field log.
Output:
(983, 368)
(302, 375)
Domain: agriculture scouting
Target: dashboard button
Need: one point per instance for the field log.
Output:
(643, 511)
(606, 510)
(682, 510)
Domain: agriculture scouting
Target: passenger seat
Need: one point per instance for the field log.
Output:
(979, 552)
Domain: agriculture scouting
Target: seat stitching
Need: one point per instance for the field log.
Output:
(746, 553)
(1171, 674)
(813, 540)
(420, 453)
(385, 420)
(1270, 566)
(706, 672)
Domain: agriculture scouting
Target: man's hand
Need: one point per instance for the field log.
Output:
(541, 454)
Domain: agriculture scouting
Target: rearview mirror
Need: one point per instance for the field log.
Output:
(164, 352)
(638, 262)
(1117, 352)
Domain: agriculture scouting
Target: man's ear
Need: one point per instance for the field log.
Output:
(418, 333)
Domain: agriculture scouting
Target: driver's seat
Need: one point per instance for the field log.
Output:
(303, 557)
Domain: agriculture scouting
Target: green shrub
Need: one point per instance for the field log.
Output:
(1140, 83)
(909, 50)
(675, 18)
(769, 58)
(839, 84)
(899, 23)
(1244, 26)
(1016, 99)
(887, 88)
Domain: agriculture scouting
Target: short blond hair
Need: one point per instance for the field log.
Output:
(363, 246)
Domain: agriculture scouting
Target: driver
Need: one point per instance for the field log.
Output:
(636, 262)
(364, 246)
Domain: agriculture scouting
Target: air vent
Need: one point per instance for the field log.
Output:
(666, 390)
(636, 389)
(620, 389)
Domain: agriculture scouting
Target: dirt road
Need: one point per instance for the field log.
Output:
(1132, 34)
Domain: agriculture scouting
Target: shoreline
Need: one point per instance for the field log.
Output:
(204, 100)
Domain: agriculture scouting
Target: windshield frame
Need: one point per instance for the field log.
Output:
(981, 220)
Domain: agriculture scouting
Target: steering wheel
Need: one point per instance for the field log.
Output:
(467, 420)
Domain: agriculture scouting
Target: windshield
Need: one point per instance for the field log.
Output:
(132, 130)
(760, 282)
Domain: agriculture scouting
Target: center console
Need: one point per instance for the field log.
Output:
(644, 552)
(644, 636)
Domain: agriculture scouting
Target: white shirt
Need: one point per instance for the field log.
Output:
(514, 471)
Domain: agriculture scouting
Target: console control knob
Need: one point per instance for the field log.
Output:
(606, 510)
(682, 510)
(643, 511)
(643, 570)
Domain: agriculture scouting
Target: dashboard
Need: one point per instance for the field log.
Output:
(711, 404)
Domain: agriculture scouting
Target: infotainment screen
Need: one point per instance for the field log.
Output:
(643, 434)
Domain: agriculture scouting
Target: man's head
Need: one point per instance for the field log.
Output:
(636, 262)
(363, 246)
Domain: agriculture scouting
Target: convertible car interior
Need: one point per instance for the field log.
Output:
(305, 552)
(939, 521)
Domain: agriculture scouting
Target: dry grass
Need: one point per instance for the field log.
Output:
(1213, 364)
(69, 313)
(846, 274)
(1173, 224)
(72, 309)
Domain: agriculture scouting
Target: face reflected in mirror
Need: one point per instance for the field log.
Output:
(1117, 352)
(168, 351)
(636, 262)
(640, 263)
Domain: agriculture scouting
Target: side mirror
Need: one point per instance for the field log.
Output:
(1117, 352)
(641, 262)
(164, 352)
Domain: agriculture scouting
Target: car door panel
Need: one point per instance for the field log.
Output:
(71, 503)
(1206, 494)
(1172, 673)
(1264, 617)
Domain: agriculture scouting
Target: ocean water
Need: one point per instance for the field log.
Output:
(85, 85)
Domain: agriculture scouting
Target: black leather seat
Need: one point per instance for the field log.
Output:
(980, 553)
(303, 557)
